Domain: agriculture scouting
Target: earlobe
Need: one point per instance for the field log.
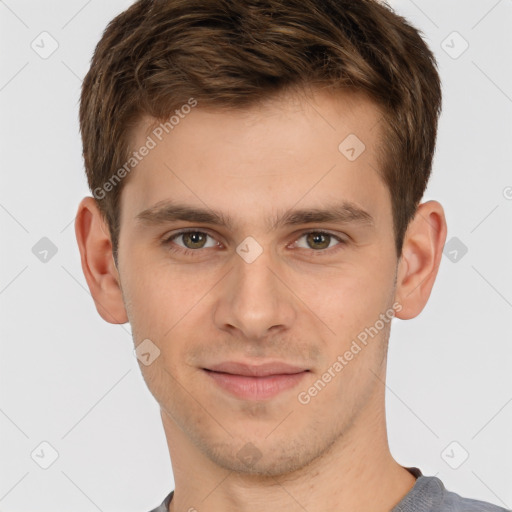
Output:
(98, 265)
(421, 256)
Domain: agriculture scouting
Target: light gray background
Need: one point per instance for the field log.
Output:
(70, 379)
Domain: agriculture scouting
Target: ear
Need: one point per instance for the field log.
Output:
(421, 256)
(93, 237)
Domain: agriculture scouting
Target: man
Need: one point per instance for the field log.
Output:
(257, 170)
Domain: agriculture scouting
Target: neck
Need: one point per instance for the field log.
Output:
(356, 473)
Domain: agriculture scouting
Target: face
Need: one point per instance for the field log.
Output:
(255, 284)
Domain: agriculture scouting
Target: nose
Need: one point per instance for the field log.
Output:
(255, 299)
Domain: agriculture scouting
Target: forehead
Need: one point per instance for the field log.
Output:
(291, 148)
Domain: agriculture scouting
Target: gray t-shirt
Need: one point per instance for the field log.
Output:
(427, 495)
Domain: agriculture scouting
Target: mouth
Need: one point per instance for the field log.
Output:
(251, 382)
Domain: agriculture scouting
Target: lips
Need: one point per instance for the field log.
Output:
(255, 382)
(262, 370)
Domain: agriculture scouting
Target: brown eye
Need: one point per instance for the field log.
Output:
(319, 240)
(196, 239)
(190, 241)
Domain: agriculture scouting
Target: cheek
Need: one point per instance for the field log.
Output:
(346, 300)
(169, 306)
(350, 305)
(160, 293)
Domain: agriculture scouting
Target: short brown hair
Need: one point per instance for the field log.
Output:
(157, 54)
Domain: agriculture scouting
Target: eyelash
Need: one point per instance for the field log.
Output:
(193, 252)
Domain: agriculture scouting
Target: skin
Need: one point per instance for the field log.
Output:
(291, 304)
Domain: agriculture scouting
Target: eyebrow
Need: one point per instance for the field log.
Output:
(166, 211)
